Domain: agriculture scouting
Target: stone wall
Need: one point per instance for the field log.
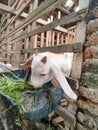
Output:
(87, 114)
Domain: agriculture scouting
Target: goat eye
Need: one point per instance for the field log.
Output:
(42, 74)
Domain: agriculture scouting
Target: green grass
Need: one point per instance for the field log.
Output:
(13, 88)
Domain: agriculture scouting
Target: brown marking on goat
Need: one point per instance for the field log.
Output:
(28, 71)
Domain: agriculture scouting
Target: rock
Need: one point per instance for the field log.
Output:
(86, 121)
(91, 65)
(90, 79)
(88, 106)
(1, 125)
(89, 93)
(81, 127)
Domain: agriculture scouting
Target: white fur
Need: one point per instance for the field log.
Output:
(57, 66)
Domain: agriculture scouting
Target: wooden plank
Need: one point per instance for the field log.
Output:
(9, 51)
(66, 115)
(47, 38)
(10, 60)
(17, 14)
(42, 39)
(76, 47)
(35, 41)
(77, 65)
(15, 4)
(11, 10)
(74, 17)
(20, 3)
(30, 16)
(58, 38)
(53, 38)
(7, 9)
(24, 15)
(83, 4)
(43, 9)
(62, 38)
(64, 10)
(57, 120)
(24, 6)
(58, 28)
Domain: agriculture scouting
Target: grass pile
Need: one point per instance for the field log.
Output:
(13, 88)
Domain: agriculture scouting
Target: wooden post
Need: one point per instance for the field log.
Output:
(53, 37)
(58, 38)
(80, 34)
(33, 6)
(42, 40)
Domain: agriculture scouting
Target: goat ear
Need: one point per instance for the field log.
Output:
(28, 62)
(59, 76)
(44, 59)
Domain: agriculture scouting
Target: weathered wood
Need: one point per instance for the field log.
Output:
(66, 115)
(64, 10)
(15, 3)
(77, 65)
(53, 38)
(24, 15)
(57, 120)
(78, 57)
(58, 38)
(9, 51)
(43, 9)
(74, 17)
(42, 40)
(83, 4)
(76, 47)
(24, 6)
(10, 60)
(7, 9)
(79, 37)
(20, 3)
(63, 103)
